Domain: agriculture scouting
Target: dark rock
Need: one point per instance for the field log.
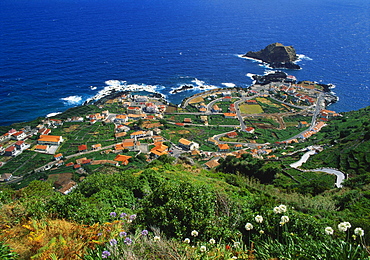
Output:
(182, 88)
(277, 76)
(277, 56)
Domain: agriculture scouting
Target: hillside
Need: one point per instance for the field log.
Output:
(348, 140)
(148, 212)
(118, 202)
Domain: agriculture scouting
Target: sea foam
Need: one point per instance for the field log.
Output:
(53, 114)
(196, 85)
(229, 85)
(303, 57)
(72, 100)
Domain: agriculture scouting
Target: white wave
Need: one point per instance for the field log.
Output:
(249, 58)
(250, 75)
(303, 57)
(92, 87)
(119, 85)
(229, 85)
(198, 82)
(198, 85)
(72, 100)
(53, 114)
(267, 72)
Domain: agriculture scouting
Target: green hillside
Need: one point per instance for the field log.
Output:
(244, 209)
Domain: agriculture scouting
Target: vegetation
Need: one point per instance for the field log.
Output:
(177, 210)
(248, 207)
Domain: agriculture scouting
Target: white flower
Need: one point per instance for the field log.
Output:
(329, 231)
(262, 232)
(203, 248)
(187, 240)
(282, 208)
(236, 244)
(348, 225)
(258, 219)
(248, 226)
(277, 210)
(157, 238)
(343, 226)
(284, 219)
(359, 231)
(234, 257)
(194, 233)
(212, 241)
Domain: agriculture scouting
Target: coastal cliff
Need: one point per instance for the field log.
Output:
(276, 55)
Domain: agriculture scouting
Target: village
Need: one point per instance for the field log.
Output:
(131, 129)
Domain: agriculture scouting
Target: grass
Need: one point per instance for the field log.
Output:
(180, 118)
(221, 120)
(196, 100)
(250, 109)
(196, 134)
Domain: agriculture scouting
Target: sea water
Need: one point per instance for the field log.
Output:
(56, 54)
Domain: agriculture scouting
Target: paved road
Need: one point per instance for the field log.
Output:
(319, 106)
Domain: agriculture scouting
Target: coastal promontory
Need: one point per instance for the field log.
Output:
(276, 55)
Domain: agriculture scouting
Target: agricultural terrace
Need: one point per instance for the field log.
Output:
(76, 134)
(179, 118)
(305, 182)
(268, 135)
(197, 134)
(225, 104)
(271, 106)
(26, 162)
(221, 120)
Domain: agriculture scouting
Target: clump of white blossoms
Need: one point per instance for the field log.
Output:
(212, 241)
(248, 226)
(258, 219)
(277, 210)
(284, 219)
(329, 231)
(194, 233)
(282, 208)
(344, 226)
(187, 240)
(359, 232)
(157, 238)
(203, 248)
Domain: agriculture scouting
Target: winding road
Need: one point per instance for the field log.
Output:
(340, 175)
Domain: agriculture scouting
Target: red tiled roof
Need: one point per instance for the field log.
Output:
(82, 147)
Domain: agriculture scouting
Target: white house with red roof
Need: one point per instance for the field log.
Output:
(121, 118)
(21, 145)
(5, 137)
(11, 151)
(249, 129)
(134, 110)
(20, 135)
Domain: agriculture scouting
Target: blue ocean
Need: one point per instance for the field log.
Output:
(56, 54)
